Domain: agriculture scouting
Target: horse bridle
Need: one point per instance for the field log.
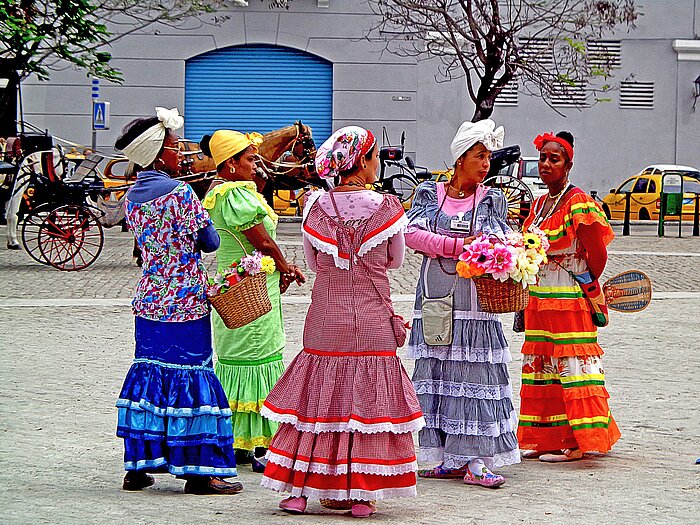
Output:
(306, 160)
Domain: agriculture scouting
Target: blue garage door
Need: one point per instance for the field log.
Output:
(257, 88)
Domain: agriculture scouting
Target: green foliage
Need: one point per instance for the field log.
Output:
(36, 34)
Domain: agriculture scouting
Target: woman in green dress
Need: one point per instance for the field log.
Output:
(249, 359)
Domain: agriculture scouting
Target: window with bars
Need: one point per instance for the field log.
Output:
(509, 95)
(604, 53)
(636, 95)
(569, 95)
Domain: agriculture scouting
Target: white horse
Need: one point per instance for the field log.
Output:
(47, 163)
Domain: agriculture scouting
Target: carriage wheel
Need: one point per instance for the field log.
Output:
(70, 238)
(30, 233)
(517, 194)
(403, 186)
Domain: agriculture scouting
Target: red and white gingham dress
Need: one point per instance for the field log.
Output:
(346, 405)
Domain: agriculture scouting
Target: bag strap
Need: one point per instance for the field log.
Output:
(341, 224)
(234, 237)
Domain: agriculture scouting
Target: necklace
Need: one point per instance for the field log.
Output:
(540, 216)
(460, 193)
(553, 197)
(352, 184)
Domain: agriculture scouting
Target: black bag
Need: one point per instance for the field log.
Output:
(519, 321)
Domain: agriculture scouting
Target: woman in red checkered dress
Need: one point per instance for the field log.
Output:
(346, 405)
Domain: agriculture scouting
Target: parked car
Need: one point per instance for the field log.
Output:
(645, 191)
(526, 170)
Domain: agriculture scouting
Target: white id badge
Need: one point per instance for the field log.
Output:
(460, 225)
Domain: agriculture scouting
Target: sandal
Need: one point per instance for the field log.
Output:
(293, 505)
(488, 479)
(567, 454)
(535, 454)
(440, 472)
(363, 509)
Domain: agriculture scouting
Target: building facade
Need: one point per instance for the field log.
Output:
(262, 69)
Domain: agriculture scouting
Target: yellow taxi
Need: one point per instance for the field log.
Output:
(645, 189)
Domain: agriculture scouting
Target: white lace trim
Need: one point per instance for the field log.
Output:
(350, 426)
(466, 315)
(311, 198)
(436, 456)
(376, 240)
(364, 495)
(459, 353)
(470, 390)
(330, 249)
(338, 470)
(472, 428)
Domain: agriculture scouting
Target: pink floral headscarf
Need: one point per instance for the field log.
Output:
(343, 150)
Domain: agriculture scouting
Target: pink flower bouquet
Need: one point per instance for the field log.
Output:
(516, 256)
(246, 266)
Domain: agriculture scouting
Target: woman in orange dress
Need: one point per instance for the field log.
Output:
(564, 403)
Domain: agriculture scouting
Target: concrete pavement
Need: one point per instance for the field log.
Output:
(66, 342)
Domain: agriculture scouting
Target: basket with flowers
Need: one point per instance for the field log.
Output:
(503, 268)
(239, 292)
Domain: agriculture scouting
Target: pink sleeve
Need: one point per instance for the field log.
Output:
(310, 255)
(433, 244)
(396, 249)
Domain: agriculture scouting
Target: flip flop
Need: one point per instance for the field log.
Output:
(566, 455)
(363, 509)
(293, 505)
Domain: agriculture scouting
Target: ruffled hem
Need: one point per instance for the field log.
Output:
(339, 469)
(247, 387)
(346, 393)
(546, 392)
(355, 494)
(352, 423)
(451, 461)
(579, 210)
(252, 443)
(561, 350)
(457, 353)
(472, 428)
(470, 390)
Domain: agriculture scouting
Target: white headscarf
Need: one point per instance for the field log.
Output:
(144, 148)
(469, 133)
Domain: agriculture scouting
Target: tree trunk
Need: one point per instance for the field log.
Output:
(484, 109)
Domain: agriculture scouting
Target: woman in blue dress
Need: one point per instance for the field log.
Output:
(173, 413)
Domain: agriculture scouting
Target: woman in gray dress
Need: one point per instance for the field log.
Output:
(461, 373)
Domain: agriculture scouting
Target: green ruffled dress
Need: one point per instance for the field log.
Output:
(249, 359)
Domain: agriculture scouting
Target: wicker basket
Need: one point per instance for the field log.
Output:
(244, 302)
(499, 297)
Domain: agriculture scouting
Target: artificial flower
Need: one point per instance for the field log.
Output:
(267, 264)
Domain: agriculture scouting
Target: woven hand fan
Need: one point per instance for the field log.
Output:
(628, 291)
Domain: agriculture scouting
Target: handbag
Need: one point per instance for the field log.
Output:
(590, 288)
(399, 325)
(437, 311)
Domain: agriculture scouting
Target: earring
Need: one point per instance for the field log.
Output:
(232, 170)
(161, 163)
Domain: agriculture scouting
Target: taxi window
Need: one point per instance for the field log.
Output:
(641, 185)
(530, 169)
(652, 187)
(627, 186)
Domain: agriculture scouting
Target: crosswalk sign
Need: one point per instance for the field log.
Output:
(100, 115)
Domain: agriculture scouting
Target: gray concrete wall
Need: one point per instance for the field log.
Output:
(612, 143)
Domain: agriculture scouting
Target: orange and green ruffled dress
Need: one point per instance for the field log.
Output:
(564, 402)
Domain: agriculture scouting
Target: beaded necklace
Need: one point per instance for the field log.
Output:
(539, 216)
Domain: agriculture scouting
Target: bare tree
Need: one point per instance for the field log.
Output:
(545, 47)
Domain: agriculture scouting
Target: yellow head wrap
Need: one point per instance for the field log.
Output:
(225, 143)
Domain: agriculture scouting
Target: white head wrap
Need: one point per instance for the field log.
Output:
(144, 148)
(469, 133)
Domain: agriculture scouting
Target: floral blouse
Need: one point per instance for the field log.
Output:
(173, 285)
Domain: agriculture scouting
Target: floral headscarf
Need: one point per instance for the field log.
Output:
(343, 150)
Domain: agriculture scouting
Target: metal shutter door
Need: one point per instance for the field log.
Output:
(257, 88)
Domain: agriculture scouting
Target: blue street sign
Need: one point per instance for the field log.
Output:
(95, 88)
(100, 115)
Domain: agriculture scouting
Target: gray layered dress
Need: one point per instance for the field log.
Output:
(463, 388)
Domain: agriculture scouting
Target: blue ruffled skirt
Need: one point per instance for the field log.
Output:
(173, 413)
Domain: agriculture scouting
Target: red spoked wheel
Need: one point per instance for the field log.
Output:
(517, 194)
(70, 238)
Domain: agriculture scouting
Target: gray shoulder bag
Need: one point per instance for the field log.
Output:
(437, 311)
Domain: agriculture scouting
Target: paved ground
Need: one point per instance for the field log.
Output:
(66, 343)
